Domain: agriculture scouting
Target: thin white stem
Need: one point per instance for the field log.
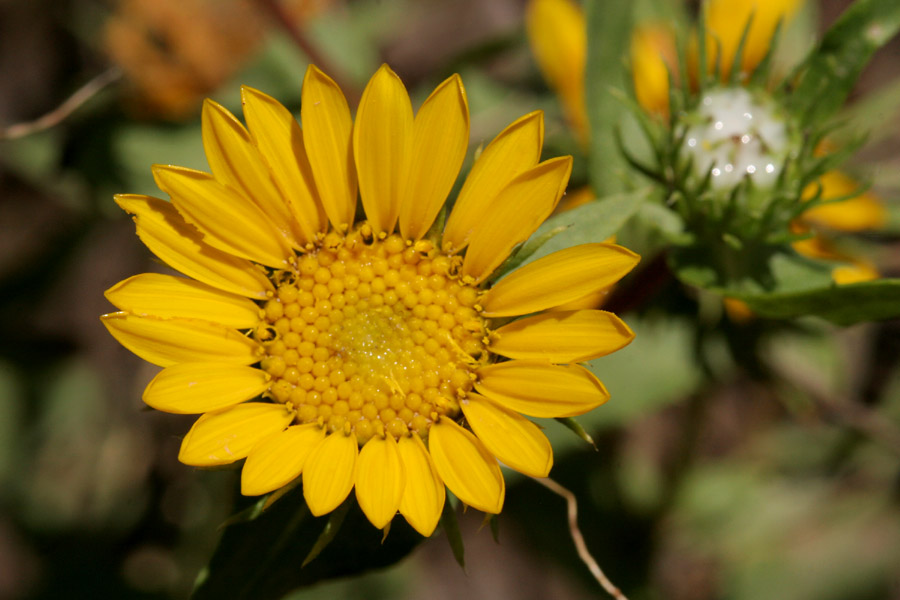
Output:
(575, 532)
(73, 103)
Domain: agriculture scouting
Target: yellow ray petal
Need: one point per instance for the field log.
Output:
(280, 140)
(193, 388)
(327, 138)
(466, 466)
(440, 139)
(278, 459)
(166, 342)
(516, 213)
(329, 473)
(235, 161)
(558, 278)
(181, 246)
(380, 480)
(155, 295)
(382, 146)
(228, 220)
(539, 389)
(516, 149)
(513, 439)
(558, 37)
(424, 495)
(221, 438)
(856, 213)
(562, 336)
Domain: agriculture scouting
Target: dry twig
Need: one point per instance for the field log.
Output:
(57, 115)
(575, 532)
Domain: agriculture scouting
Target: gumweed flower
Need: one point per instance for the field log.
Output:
(377, 353)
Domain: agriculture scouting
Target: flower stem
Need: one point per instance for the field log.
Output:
(575, 532)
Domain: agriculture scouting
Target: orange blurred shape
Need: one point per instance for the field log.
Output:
(738, 311)
(176, 52)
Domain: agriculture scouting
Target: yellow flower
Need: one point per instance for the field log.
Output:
(370, 354)
(556, 31)
(857, 212)
(653, 56)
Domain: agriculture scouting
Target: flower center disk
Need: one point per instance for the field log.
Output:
(375, 337)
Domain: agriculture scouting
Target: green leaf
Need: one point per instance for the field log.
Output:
(841, 304)
(591, 222)
(787, 285)
(748, 272)
(608, 34)
(262, 559)
(830, 72)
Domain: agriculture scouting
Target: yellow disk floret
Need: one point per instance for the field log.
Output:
(374, 336)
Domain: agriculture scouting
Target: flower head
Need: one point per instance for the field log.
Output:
(370, 354)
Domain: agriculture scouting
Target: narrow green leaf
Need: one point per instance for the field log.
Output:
(608, 34)
(454, 537)
(577, 429)
(831, 70)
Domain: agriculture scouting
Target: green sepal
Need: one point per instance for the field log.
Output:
(494, 522)
(735, 70)
(577, 429)
(260, 559)
(760, 74)
(335, 520)
(454, 537)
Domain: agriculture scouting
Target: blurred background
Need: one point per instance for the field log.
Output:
(738, 458)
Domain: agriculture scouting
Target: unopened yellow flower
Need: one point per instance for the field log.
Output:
(653, 57)
(556, 31)
(365, 354)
